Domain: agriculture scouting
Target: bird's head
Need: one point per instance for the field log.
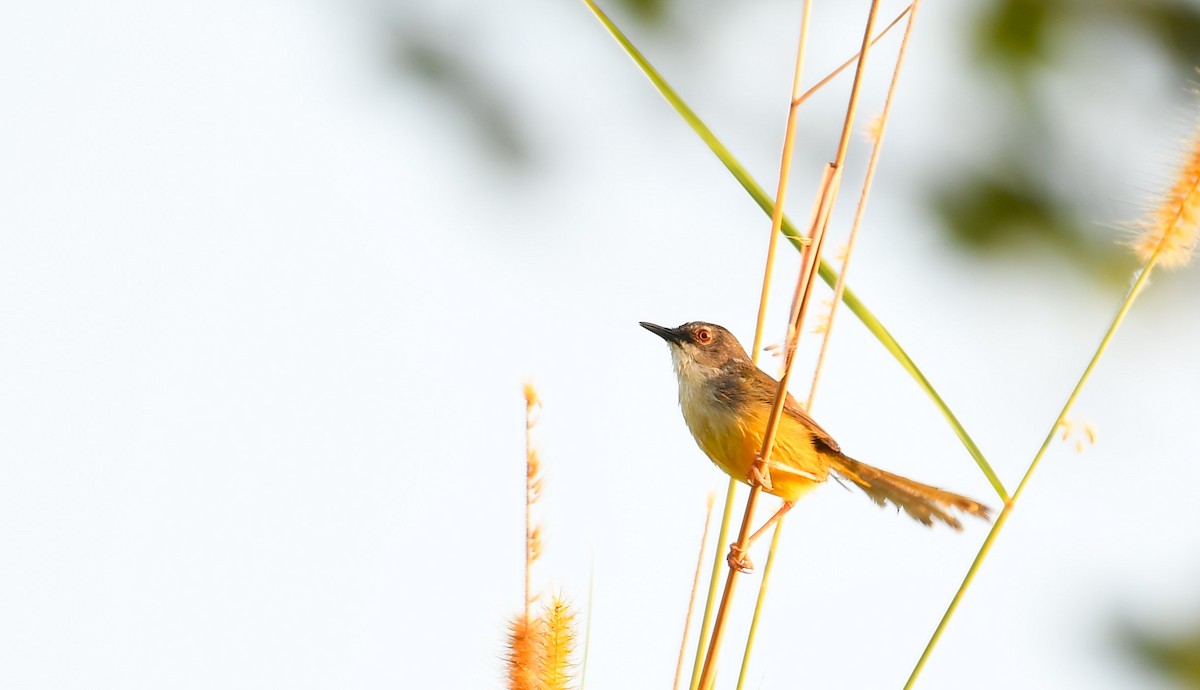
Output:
(703, 347)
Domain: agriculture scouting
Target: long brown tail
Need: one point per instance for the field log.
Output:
(921, 501)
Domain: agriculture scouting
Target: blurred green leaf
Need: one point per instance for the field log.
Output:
(1175, 26)
(1174, 657)
(646, 11)
(986, 211)
(1016, 34)
(1000, 211)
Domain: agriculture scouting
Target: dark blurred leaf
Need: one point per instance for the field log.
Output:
(1016, 34)
(1174, 657)
(1010, 212)
(1176, 26)
(987, 212)
(646, 11)
(1010, 205)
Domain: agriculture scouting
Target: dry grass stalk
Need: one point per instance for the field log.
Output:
(828, 193)
(849, 61)
(687, 620)
(533, 491)
(540, 648)
(785, 168)
(707, 667)
(878, 127)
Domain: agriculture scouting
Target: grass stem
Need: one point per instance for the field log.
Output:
(759, 602)
(713, 584)
(1009, 505)
(811, 257)
(877, 146)
(687, 619)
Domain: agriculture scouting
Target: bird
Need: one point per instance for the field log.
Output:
(726, 402)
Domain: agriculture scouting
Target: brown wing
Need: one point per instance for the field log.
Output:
(792, 409)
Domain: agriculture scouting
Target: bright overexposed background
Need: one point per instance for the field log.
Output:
(267, 302)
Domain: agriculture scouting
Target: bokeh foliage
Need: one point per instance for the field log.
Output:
(1000, 203)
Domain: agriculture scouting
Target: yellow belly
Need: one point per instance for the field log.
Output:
(732, 439)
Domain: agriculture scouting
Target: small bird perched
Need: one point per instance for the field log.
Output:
(726, 402)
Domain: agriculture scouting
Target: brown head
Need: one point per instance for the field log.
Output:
(701, 348)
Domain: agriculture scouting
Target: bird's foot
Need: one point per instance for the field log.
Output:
(738, 560)
(760, 475)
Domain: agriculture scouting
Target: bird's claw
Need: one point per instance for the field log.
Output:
(738, 560)
(760, 477)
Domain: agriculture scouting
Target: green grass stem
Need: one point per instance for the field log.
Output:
(1001, 519)
(758, 604)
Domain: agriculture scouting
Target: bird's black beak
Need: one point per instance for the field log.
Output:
(671, 335)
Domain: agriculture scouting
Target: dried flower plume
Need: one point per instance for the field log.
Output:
(541, 650)
(559, 644)
(525, 656)
(1172, 228)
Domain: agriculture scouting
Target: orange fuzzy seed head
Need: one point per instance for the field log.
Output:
(1173, 227)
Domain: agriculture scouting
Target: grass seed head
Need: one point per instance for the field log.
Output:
(1171, 228)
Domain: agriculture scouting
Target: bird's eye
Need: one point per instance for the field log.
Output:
(704, 335)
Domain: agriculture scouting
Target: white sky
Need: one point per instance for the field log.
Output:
(267, 313)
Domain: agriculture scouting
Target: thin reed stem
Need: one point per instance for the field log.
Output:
(714, 581)
(785, 170)
(707, 674)
(1002, 518)
(837, 296)
(785, 166)
(687, 620)
(810, 261)
(856, 89)
(587, 632)
(877, 146)
(820, 219)
(850, 61)
(759, 602)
